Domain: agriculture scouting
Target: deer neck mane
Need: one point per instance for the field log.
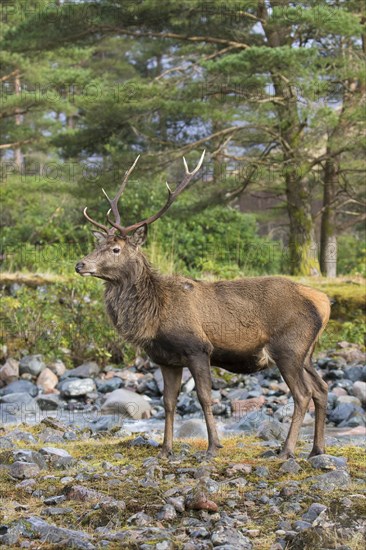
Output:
(135, 301)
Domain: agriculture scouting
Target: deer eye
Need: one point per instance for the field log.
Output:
(116, 250)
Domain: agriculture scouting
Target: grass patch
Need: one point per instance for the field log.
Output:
(131, 473)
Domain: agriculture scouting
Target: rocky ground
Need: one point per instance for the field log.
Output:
(73, 475)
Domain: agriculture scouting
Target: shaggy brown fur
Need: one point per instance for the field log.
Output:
(242, 326)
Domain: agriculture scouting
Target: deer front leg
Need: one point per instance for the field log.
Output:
(172, 382)
(200, 369)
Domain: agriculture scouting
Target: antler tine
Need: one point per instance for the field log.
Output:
(113, 203)
(97, 224)
(172, 195)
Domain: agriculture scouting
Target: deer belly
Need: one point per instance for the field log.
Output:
(241, 362)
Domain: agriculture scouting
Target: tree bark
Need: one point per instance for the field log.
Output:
(328, 237)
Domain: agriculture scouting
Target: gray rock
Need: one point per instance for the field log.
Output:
(328, 462)
(31, 364)
(30, 456)
(58, 368)
(49, 402)
(331, 480)
(76, 387)
(167, 513)
(355, 373)
(106, 423)
(251, 421)
(178, 503)
(9, 372)
(262, 471)
(9, 535)
(140, 519)
(159, 380)
(349, 399)
(195, 428)
(58, 458)
(23, 470)
(107, 386)
(187, 404)
(20, 386)
(68, 538)
(342, 413)
(140, 441)
(272, 430)
(19, 398)
(224, 535)
(19, 406)
(86, 370)
(313, 512)
(300, 525)
(127, 404)
(52, 501)
(359, 390)
(290, 467)
(357, 419)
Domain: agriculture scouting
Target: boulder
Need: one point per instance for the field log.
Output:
(272, 430)
(47, 380)
(313, 512)
(58, 368)
(109, 385)
(127, 404)
(349, 399)
(192, 428)
(76, 387)
(23, 470)
(328, 462)
(49, 402)
(50, 534)
(355, 372)
(20, 386)
(251, 421)
(86, 370)
(10, 371)
(24, 455)
(359, 391)
(19, 406)
(58, 458)
(330, 481)
(31, 364)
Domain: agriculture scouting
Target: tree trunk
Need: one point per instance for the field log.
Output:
(18, 120)
(328, 238)
(303, 253)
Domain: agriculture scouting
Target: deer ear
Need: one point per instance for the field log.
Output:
(139, 237)
(100, 237)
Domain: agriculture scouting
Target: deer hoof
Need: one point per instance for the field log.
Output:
(315, 452)
(285, 455)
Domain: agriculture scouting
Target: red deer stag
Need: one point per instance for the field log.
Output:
(243, 326)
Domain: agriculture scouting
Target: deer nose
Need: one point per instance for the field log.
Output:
(79, 266)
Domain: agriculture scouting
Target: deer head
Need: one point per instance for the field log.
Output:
(118, 246)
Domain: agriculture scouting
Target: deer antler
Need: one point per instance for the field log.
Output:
(113, 203)
(172, 195)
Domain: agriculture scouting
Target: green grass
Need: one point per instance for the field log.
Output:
(149, 499)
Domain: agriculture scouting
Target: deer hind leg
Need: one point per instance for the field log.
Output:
(320, 398)
(293, 373)
(172, 382)
(200, 369)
